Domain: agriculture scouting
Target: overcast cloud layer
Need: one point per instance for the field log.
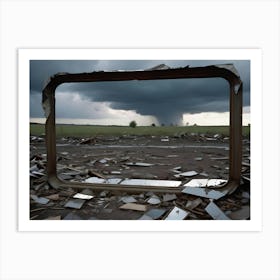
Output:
(167, 100)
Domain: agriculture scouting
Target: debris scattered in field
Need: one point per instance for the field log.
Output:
(139, 161)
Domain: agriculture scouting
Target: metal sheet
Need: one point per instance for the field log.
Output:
(83, 196)
(192, 204)
(215, 212)
(40, 200)
(95, 180)
(113, 181)
(155, 213)
(216, 183)
(128, 199)
(169, 197)
(186, 174)
(147, 182)
(134, 206)
(145, 217)
(72, 216)
(197, 183)
(203, 192)
(177, 214)
(75, 203)
(140, 164)
(154, 200)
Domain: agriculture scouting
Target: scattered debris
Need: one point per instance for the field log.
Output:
(72, 216)
(40, 200)
(198, 158)
(54, 218)
(169, 197)
(53, 196)
(155, 213)
(140, 164)
(215, 212)
(134, 206)
(154, 200)
(83, 196)
(145, 217)
(95, 180)
(197, 183)
(216, 183)
(192, 204)
(177, 214)
(75, 203)
(128, 199)
(186, 174)
(204, 192)
(138, 161)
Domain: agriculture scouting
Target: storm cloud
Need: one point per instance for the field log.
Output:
(167, 100)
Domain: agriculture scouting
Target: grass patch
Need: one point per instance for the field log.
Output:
(63, 130)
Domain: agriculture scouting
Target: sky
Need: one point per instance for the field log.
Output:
(177, 102)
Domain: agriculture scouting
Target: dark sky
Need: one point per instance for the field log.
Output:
(167, 100)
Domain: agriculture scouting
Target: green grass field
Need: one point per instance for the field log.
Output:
(92, 130)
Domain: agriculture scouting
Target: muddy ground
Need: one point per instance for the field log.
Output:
(123, 158)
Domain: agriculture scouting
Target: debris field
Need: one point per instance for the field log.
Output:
(195, 165)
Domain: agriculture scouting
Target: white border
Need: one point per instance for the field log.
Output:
(25, 55)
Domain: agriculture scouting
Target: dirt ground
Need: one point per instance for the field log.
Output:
(136, 157)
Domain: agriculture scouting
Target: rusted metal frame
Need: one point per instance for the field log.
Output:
(179, 73)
